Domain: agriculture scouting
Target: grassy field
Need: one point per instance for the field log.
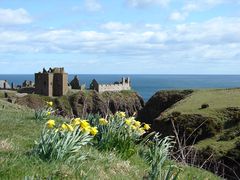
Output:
(217, 99)
(19, 129)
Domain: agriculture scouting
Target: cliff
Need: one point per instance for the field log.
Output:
(88, 102)
(208, 119)
(159, 102)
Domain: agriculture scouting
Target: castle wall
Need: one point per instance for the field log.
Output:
(60, 85)
(44, 84)
(113, 87)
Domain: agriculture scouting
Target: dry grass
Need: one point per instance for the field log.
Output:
(6, 145)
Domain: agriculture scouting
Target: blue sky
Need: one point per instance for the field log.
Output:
(120, 37)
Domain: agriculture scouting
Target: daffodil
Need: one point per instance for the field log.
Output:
(141, 131)
(146, 127)
(121, 114)
(137, 123)
(76, 121)
(64, 126)
(103, 121)
(50, 123)
(86, 129)
(50, 103)
(93, 131)
(133, 127)
(128, 122)
(84, 124)
(48, 113)
(69, 127)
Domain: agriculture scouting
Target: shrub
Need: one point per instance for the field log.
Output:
(192, 127)
(176, 113)
(204, 106)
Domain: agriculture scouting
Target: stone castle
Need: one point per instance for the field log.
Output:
(117, 86)
(53, 82)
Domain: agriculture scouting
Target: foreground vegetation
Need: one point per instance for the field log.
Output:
(20, 129)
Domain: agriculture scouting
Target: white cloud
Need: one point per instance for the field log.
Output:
(177, 16)
(153, 26)
(14, 16)
(144, 3)
(196, 5)
(93, 5)
(116, 26)
(216, 39)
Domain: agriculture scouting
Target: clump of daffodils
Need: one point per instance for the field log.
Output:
(45, 112)
(136, 126)
(117, 132)
(83, 126)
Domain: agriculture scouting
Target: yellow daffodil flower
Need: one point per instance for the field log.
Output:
(69, 127)
(50, 123)
(128, 122)
(86, 129)
(141, 131)
(103, 121)
(133, 127)
(84, 124)
(146, 127)
(76, 121)
(48, 113)
(64, 126)
(137, 123)
(121, 114)
(93, 131)
(50, 103)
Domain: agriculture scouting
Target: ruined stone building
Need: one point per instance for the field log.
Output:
(4, 84)
(75, 83)
(117, 86)
(53, 82)
(27, 83)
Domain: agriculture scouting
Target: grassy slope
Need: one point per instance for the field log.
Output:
(18, 132)
(218, 99)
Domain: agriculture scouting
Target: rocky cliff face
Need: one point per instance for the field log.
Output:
(159, 102)
(89, 102)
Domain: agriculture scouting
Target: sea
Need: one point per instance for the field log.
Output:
(148, 85)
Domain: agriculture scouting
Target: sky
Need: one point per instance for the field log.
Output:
(120, 36)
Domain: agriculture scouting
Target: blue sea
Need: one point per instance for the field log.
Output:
(147, 85)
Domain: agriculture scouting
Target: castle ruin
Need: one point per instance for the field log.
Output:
(4, 84)
(117, 86)
(53, 82)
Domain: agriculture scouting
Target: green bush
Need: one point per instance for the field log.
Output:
(204, 106)
(193, 127)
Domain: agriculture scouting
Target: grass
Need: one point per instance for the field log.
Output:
(18, 132)
(218, 99)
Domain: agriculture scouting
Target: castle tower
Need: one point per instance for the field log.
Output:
(53, 82)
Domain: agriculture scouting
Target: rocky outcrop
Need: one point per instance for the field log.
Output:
(88, 102)
(159, 102)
